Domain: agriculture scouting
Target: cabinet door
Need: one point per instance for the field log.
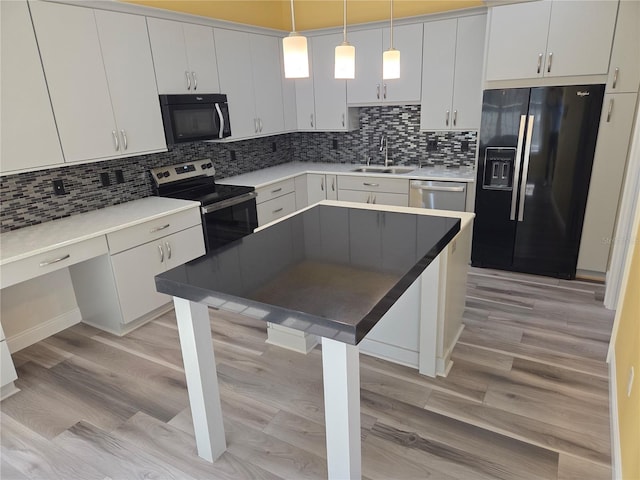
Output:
(406, 89)
(288, 97)
(467, 84)
(580, 37)
(132, 84)
(517, 37)
(331, 187)
(169, 55)
(624, 69)
(305, 103)
(354, 196)
(437, 78)
(384, 198)
(267, 83)
(201, 58)
(72, 60)
(606, 181)
(26, 108)
(330, 94)
(367, 86)
(316, 187)
(236, 80)
(134, 271)
(184, 246)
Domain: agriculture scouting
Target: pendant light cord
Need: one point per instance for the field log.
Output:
(293, 19)
(345, 21)
(391, 29)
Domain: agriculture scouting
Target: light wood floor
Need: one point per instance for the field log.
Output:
(526, 399)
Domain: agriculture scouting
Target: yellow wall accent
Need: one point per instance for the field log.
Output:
(627, 354)
(310, 14)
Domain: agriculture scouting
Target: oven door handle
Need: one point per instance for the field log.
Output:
(228, 203)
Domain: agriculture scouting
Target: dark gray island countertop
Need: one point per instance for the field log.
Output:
(332, 271)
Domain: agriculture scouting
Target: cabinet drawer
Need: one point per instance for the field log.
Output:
(377, 198)
(373, 184)
(276, 208)
(152, 230)
(27, 268)
(275, 190)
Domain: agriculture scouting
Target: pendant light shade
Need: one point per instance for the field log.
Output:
(296, 54)
(391, 57)
(345, 61)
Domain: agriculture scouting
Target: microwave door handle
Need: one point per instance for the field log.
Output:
(221, 117)
(516, 168)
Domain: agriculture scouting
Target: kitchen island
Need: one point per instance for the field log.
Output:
(333, 270)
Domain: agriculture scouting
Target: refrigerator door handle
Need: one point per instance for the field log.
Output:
(525, 168)
(516, 168)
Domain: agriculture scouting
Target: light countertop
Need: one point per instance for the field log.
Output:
(47, 236)
(266, 176)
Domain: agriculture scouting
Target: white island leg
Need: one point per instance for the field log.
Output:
(341, 379)
(202, 377)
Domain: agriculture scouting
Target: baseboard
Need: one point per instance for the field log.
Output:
(616, 454)
(444, 364)
(131, 326)
(8, 390)
(43, 330)
(391, 353)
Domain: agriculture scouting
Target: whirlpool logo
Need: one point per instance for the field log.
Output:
(583, 94)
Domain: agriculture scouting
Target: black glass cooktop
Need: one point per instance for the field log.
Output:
(204, 190)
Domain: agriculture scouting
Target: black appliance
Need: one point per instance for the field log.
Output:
(189, 118)
(228, 211)
(534, 167)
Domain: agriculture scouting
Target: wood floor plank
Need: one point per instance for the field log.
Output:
(41, 354)
(471, 354)
(573, 468)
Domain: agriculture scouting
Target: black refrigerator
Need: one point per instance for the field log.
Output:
(534, 167)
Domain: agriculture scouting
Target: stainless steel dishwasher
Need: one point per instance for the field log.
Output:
(438, 195)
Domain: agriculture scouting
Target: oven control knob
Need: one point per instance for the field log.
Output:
(209, 165)
(203, 166)
(160, 175)
(166, 173)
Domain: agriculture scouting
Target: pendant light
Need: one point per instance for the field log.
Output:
(296, 57)
(391, 57)
(345, 62)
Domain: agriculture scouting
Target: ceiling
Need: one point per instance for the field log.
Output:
(310, 14)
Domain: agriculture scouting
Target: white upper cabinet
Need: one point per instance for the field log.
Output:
(550, 38)
(624, 69)
(100, 75)
(184, 56)
(330, 95)
(26, 108)
(250, 76)
(369, 87)
(305, 102)
(452, 74)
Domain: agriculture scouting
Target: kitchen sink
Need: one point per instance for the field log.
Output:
(390, 170)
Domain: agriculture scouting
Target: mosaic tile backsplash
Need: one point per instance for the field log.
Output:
(28, 198)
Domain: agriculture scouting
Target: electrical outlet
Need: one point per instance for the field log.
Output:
(233, 155)
(274, 147)
(58, 187)
(630, 382)
(432, 145)
(335, 144)
(104, 179)
(119, 176)
(465, 146)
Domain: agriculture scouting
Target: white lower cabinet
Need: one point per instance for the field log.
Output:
(7, 370)
(374, 190)
(379, 198)
(321, 187)
(277, 208)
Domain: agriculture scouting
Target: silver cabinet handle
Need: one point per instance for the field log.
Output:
(276, 190)
(125, 142)
(384, 95)
(278, 210)
(609, 110)
(374, 199)
(311, 117)
(516, 171)
(525, 167)
(333, 184)
(322, 183)
(539, 62)
(343, 119)
(161, 253)
(369, 199)
(255, 125)
(195, 85)
(260, 123)
(157, 229)
(446, 120)
(168, 245)
(55, 260)
(366, 184)
(378, 91)
(455, 117)
(550, 62)
(116, 142)
(186, 74)
(615, 77)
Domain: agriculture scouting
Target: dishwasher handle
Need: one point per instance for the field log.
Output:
(417, 186)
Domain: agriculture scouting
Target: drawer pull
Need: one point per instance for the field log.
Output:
(278, 210)
(615, 77)
(366, 184)
(276, 190)
(55, 260)
(157, 229)
(161, 253)
(168, 245)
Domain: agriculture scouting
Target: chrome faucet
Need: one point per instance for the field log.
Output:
(384, 146)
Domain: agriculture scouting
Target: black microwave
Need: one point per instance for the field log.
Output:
(190, 118)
